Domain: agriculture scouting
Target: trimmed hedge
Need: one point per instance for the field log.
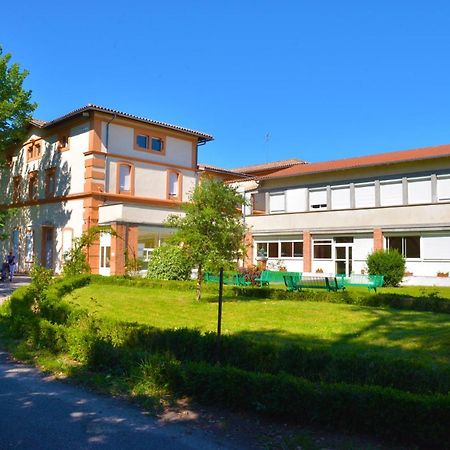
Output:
(352, 392)
(430, 303)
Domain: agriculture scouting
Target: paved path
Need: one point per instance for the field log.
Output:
(37, 412)
(6, 288)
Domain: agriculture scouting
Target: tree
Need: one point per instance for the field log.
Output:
(16, 108)
(212, 231)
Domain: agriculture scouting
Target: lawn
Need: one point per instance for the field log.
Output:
(418, 335)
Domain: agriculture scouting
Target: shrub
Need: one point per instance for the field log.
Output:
(251, 273)
(389, 263)
(41, 278)
(169, 262)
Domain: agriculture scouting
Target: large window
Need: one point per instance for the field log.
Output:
(340, 197)
(322, 249)
(419, 190)
(365, 195)
(32, 185)
(391, 193)
(280, 249)
(443, 188)
(408, 246)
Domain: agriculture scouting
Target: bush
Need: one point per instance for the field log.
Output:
(169, 262)
(251, 273)
(389, 263)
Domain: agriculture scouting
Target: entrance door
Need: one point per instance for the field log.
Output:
(48, 244)
(343, 258)
(105, 254)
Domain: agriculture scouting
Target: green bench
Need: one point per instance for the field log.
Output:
(231, 279)
(368, 281)
(271, 276)
(310, 282)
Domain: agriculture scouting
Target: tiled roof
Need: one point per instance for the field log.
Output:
(207, 167)
(267, 166)
(90, 107)
(364, 161)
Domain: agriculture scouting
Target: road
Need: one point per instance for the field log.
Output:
(38, 412)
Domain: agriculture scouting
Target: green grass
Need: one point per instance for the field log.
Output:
(422, 335)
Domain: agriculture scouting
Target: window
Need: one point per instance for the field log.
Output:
(291, 249)
(125, 174)
(174, 185)
(277, 202)
(317, 199)
(365, 195)
(16, 188)
(32, 185)
(105, 257)
(157, 144)
(33, 151)
(408, 246)
(419, 190)
(391, 193)
(50, 182)
(340, 197)
(142, 141)
(261, 249)
(63, 141)
(273, 250)
(443, 188)
(322, 249)
(258, 202)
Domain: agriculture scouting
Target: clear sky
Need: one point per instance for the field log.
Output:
(316, 80)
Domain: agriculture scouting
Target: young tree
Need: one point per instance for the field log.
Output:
(212, 231)
(16, 107)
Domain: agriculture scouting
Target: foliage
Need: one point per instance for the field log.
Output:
(41, 278)
(169, 262)
(5, 216)
(389, 263)
(132, 264)
(75, 260)
(16, 107)
(251, 273)
(212, 231)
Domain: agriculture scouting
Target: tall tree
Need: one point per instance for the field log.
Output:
(16, 107)
(212, 231)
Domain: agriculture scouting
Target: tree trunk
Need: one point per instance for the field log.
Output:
(199, 282)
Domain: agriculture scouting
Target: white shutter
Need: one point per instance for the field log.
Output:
(318, 199)
(277, 202)
(296, 200)
(436, 247)
(173, 184)
(364, 195)
(443, 189)
(419, 191)
(391, 193)
(125, 178)
(340, 197)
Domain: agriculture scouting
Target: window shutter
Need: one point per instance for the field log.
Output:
(125, 179)
(443, 189)
(419, 191)
(364, 196)
(318, 199)
(173, 184)
(277, 202)
(340, 198)
(391, 193)
(436, 247)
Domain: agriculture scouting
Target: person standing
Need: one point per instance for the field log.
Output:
(12, 265)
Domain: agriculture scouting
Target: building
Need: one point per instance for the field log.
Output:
(328, 216)
(96, 166)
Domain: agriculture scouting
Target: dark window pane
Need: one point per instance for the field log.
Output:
(395, 243)
(273, 249)
(142, 141)
(340, 253)
(298, 249)
(286, 249)
(156, 144)
(322, 251)
(412, 246)
(343, 240)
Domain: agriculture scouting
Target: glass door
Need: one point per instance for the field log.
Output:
(105, 254)
(343, 259)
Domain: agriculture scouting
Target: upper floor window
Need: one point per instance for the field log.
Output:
(63, 141)
(277, 202)
(419, 190)
(33, 185)
(50, 182)
(17, 181)
(365, 195)
(148, 141)
(125, 181)
(391, 193)
(33, 151)
(340, 197)
(317, 199)
(443, 188)
(174, 185)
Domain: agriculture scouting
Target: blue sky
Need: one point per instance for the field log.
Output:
(315, 80)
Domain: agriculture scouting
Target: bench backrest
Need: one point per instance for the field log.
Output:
(273, 276)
